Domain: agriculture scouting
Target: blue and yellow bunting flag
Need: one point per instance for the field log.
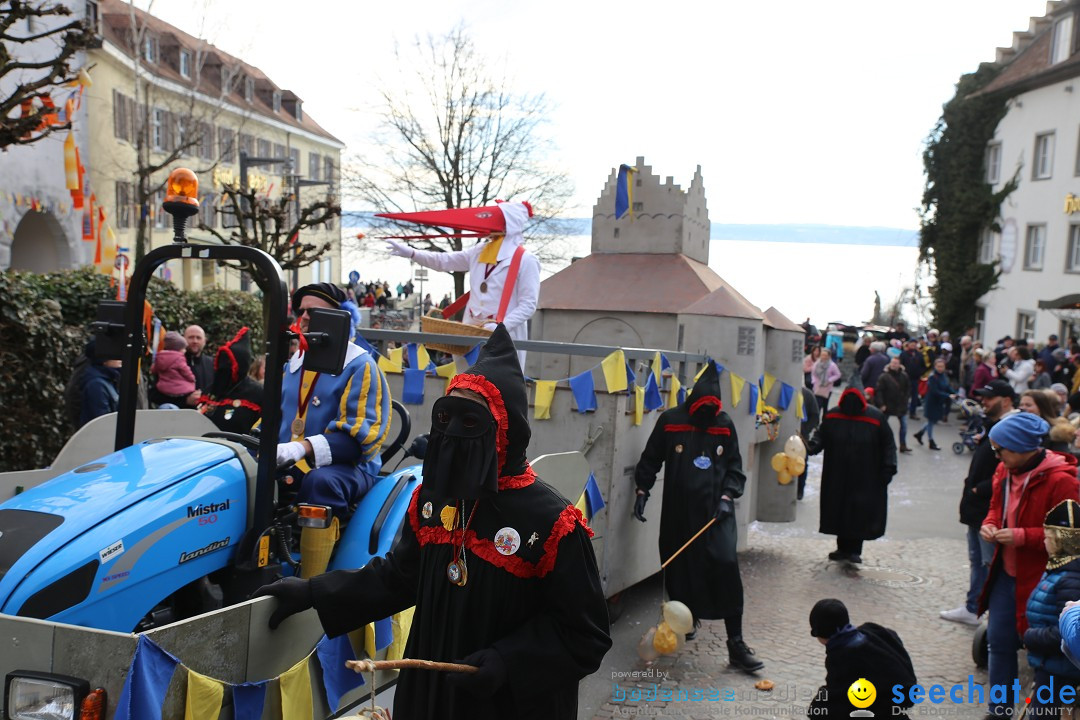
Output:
(295, 684)
(412, 388)
(624, 192)
(736, 388)
(800, 406)
(337, 679)
(248, 700)
(754, 398)
(653, 401)
(402, 624)
(584, 391)
(767, 382)
(470, 357)
(591, 501)
(147, 682)
(545, 394)
(787, 393)
(614, 371)
(639, 404)
(391, 362)
(673, 393)
(203, 697)
(410, 354)
(631, 378)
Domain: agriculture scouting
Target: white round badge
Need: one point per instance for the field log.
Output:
(507, 541)
(426, 510)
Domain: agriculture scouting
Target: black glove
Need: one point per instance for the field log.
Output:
(726, 508)
(293, 595)
(487, 680)
(639, 506)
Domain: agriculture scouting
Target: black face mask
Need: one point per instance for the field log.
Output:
(461, 461)
(704, 414)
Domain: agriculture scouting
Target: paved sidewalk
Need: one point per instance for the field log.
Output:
(908, 577)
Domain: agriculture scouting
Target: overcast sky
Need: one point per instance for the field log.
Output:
(797, 112)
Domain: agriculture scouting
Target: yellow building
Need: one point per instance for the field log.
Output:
(158, 92)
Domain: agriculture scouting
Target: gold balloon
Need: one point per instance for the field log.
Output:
(795, 465)
(783, 477)
(645, 649)
(678, 617)
(795, 447)
(779, 462)
(664, 641)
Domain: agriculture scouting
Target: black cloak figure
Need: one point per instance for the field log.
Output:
(235, 400)
(860, 461)
(699, 449)
(498, 564)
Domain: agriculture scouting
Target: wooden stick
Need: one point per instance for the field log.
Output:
(373, 665)
(696, 535)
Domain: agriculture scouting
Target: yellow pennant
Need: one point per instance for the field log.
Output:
(545, 394)
(770, 380)
(391, 364)
(203, 697)
(673, 393)
(639, 404)
(296, 691)
(736, 388)
(422, 357)
(402, 623)
(700, 371)
(657, 371)
(614, 366)
(798, 403)
(448, 371)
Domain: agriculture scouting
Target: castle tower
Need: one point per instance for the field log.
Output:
(663, 218)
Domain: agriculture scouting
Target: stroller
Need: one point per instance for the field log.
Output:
(972, 415)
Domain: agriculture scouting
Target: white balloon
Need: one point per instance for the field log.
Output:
(678, 617)
(645, 649)
(794, 446)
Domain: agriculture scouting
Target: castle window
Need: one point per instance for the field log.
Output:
(1061, 43)
(185, 63)
(747, 340)
(615, 234)
(639, 206)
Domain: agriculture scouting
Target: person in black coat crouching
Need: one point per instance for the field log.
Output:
(869, 652)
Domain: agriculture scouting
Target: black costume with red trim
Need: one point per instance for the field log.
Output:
(540, 605)
(860, 461)
(697, 444)
(235, 400)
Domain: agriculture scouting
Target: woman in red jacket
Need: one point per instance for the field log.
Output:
(1027, 484)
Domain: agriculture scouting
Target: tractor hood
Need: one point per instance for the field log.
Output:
(42, 520)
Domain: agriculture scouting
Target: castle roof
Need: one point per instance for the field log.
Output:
(639, 282)
(778, 321)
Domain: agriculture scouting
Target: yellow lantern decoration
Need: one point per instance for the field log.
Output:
(779, 462)
(678, 617)
(664, 641)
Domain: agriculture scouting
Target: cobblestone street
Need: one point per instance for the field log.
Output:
(918, 569)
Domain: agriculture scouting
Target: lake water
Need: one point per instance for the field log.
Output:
(825, 282)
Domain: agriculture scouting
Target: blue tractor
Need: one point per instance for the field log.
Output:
(175, 526)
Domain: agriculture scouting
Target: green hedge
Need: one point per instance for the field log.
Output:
(43, 329)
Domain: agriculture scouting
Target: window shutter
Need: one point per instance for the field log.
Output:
(118, 114)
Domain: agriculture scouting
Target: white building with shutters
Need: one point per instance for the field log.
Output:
(1038, 140)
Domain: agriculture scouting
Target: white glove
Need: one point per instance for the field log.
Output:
(490, 326)
(400, 250)
(290, 452)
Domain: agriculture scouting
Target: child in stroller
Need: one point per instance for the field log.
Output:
(972, 414)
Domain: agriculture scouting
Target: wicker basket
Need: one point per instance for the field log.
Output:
(433, 324)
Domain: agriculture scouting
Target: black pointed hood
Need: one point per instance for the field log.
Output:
(852, 401)
(497, 376)
(706, 392)
(231, 363)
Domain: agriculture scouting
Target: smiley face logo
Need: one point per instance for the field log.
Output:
(862, 693)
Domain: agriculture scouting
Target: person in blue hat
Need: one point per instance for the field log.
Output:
(1028, 483)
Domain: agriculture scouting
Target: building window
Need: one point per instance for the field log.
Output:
(262, 148)
(226, 145)
(747, 340)
(299, 113)
(277, 101)
(207, 216)
(1043, 166)
(183, 137)
(1061, 43)
(157, 128)
(993, 162)
(797, 350)
(1072, 260)
(121, 120)
(980, 323)
(1034, 247)
(638, 206)
(1025, 325)
(328, 171)
(247, 144)
(123, 205)
(294, 161)
(279, 152)
(249, 89)
(314, 165)
(150, 49)
(615, 233)
(185, 63)
(93, 16)
(987, 245)
(162, 219)
(209, 268)
(226, 80)
(206, 141)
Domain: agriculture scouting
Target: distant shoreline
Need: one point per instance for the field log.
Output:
(720, 232)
